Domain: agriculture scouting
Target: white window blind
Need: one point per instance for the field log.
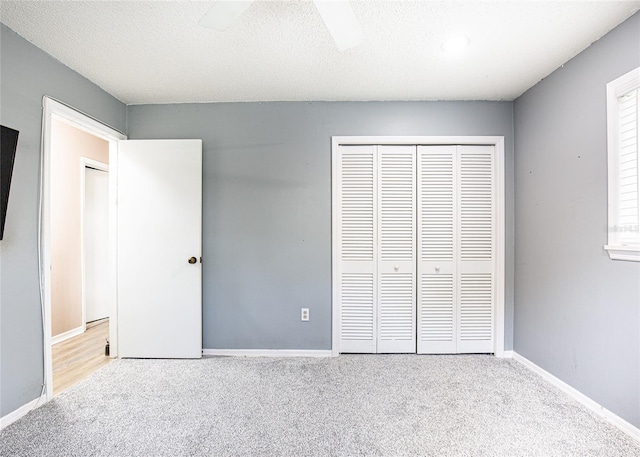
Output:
(623, 128)
(628, 167)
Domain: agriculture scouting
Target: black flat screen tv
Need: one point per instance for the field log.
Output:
(8, 147)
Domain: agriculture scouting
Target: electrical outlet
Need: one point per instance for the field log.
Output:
(304, 314)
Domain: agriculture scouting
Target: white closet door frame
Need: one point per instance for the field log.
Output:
(498, 143)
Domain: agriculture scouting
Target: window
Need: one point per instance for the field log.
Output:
(623, 126)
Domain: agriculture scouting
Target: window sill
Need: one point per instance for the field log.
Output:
(630, 253)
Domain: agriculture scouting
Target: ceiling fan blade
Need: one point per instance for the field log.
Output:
(223, 13)
(341, 22)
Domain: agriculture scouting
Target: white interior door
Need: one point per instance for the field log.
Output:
(96, 244)
(396, 253)
(357, 248)
(477, 244)
(437, 232)
(159, 248)
(376, 248)
(456, 249)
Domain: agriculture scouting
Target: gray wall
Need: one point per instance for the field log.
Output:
(267, 204)
(26, 74)
(267, 214)
(577, 313)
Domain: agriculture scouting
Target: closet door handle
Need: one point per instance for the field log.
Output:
(437, 268)
(396, 267)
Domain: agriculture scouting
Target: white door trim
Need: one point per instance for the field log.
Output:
(498, 143)
(84, 163)
(53, 108)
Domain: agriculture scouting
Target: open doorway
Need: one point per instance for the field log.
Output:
(79, 253)
(77, 241)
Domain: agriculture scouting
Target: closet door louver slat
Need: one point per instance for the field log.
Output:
(396, 312)
(357, 307)
(475, 307)
(476, 203)
(436, 314)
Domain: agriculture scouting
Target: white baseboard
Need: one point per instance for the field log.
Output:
(66, 335)
(23, 410)
(597, 408)
(268, 352)
(504, 355)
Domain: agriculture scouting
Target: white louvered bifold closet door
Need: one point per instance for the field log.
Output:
(476, 248)
(437, 231)
(416, 246)
(396, 254)
(456, 249)
(357, 248)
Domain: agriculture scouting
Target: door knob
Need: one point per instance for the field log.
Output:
(437, 268)
(397, 267)
(192, 260)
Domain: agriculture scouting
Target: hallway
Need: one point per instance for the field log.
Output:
(76, 358)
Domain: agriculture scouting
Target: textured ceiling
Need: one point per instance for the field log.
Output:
(155, 51)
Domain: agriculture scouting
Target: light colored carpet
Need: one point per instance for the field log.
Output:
(353, 405)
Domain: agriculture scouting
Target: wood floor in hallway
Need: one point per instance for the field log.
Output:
(76, 358)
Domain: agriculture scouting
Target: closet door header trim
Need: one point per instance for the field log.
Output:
(497, 141)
